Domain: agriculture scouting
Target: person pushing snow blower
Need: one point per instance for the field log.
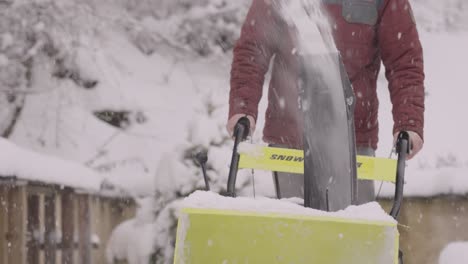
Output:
(366, 33)
(322, 112)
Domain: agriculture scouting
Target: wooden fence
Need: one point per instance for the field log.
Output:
(48, 224)
(427, 225)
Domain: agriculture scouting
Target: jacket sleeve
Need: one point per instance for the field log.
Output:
(251, 57)
(402, 56)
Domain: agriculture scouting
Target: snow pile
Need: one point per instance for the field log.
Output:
(250, 149)
(133, 240)
(148, 236)
(28, 165)
(208, 200)
(454, 253)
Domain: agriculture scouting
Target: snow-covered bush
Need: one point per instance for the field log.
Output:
(202, 26)
(211, 29)
(36, 34)
(30, 29)
(162, 9)
(178, 174)
(133, 240)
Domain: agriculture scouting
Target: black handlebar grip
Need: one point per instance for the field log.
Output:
(243, 125)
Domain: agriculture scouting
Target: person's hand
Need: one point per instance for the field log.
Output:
(233, 121)
(415, 141)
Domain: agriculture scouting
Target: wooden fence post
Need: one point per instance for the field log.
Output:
(84, 229)
(16, 237)
(68, 226)
(50, 236)
(33, 229)
(3, 223)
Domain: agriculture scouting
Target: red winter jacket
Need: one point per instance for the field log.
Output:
(366, 32)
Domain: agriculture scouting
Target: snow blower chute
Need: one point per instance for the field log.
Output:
(327, 228)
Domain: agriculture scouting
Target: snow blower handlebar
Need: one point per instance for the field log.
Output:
(241, 131)
(402, 148)
(202, 158)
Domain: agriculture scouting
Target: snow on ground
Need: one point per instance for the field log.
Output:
(454, 253)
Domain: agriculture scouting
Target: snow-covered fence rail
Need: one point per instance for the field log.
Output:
(47, 223)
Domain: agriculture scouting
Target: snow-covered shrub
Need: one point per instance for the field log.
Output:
(178, 174)
(133, 240)
(162, 8)
(31, 29)
(202, 26)
(36, 34)
(211, 29)
(20, 40)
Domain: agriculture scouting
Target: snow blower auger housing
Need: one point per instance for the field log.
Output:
(208, 235)
(322, 231)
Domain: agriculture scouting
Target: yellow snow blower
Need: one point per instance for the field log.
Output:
(228, 236)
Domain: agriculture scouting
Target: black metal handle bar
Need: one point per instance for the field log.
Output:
(241, 131)
(402, 149)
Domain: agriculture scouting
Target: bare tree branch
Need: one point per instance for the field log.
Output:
(16, 114)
